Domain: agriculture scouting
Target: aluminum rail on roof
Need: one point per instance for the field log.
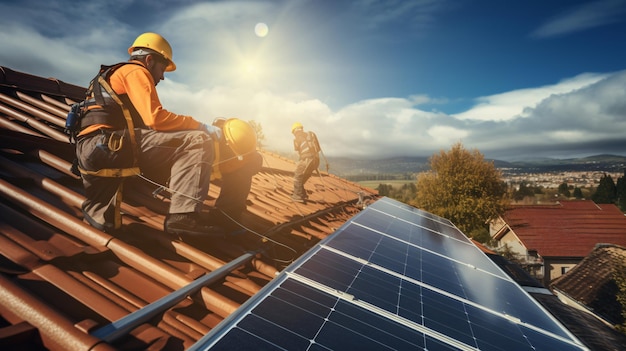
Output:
(120, 328)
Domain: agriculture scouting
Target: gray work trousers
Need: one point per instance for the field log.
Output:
(181, 159)
(304, 169)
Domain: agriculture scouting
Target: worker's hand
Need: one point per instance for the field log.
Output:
(214, 132)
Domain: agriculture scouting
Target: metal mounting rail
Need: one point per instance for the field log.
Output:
(123, 326)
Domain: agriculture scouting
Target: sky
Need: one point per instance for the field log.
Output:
(514, 79)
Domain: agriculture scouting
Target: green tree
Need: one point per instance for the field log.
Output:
(621, 192)
(564, 190)
(606, 193)
(523, 191)
(462, 187)
(578, 193)
(384, 189)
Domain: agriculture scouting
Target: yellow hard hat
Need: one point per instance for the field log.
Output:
(296, 126)
(240, 136)
(157, 43)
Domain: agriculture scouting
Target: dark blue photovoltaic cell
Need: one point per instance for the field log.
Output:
(461, 249)
(388, 205)
(392, 263)
(437, 271)
(294, 316)
(417, 217)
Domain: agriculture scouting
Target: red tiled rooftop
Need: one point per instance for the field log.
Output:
(567, 228)
(62, 279)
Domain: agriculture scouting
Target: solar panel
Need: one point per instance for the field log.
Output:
(391, 278)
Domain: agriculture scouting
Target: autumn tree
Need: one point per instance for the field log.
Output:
(462, 187)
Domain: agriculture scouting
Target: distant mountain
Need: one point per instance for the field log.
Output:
(402, 165)
(343, 166)
(598, 163)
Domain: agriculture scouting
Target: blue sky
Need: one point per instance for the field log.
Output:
(373, 78)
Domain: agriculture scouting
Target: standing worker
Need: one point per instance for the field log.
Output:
(308, 148)
(122, 130)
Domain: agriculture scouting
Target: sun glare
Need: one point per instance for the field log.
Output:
(250, 71)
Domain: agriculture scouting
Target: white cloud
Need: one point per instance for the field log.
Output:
(444, 136)
(581, 17)
(589, 120)
(516, 103)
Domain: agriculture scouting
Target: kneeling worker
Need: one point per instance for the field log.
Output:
(124, 131)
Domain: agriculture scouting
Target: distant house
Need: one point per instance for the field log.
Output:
(591, 286)
(587, 293)
(548, 240)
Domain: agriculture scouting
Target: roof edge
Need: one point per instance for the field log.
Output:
(48, 86)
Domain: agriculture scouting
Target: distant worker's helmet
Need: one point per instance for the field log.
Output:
(240, 136)
(157, 43)
(295, 126)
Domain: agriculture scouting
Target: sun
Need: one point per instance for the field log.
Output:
(261, 30)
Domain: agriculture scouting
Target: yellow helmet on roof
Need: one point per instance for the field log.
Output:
(157, 43)
(239, 136)
(296, 126)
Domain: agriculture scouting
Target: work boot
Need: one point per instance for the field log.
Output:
(192, 224)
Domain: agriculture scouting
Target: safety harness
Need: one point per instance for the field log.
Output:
(104, 106)
(309, 146)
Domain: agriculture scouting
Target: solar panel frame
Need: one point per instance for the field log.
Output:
(393, 277)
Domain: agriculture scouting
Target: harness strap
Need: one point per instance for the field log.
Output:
(118, 172)
(112, 172)
(96, 117)
(127, 117)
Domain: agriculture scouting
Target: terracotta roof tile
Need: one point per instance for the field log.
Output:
(567, 228)
(61, 276)
(592, 281)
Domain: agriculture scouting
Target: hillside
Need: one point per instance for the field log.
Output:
(347, 167)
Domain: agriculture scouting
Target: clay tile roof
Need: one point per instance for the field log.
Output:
(62, 279)
(592, 281)
(567, 228)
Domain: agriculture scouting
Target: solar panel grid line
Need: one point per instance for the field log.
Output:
(428, 229)
(412, 210)
(381, 312)
(452, 232)
(508, 317)
(213, 336)
(408, 279)
(439, 220)
(260, 343)
(431, 251)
